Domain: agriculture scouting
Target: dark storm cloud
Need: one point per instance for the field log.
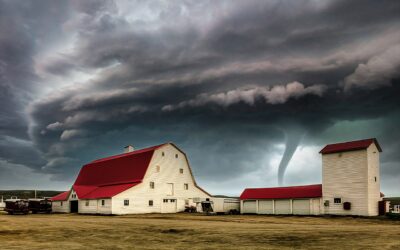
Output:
(228, 82)
(23, 27)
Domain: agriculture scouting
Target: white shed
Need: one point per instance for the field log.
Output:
(301, 200)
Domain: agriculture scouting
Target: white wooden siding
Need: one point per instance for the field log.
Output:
(265, 206)
(94, 206)
(301, 207)
(58, 208)
(283, 207)
(351, 177)
(249, 207)
(374, 194)
(169, 173)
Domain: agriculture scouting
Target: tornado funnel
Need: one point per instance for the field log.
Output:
(292, 141)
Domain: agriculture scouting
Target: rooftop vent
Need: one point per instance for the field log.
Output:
(128, 149)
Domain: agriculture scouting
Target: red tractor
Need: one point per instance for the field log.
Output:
(17, 206)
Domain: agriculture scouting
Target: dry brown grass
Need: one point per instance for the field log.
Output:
(187, 231)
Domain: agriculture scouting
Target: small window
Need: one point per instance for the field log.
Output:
(172, 200)
(181, 170)
(152, 185)
(186, 202)
(102, 202)
(126, 202)
(375, 178)
(337, 200)
(87, 203)
(162, 154)
(157, 169)
(186, 186)
(61, 203)
(176, 155)
(150, 203)
(165, 200)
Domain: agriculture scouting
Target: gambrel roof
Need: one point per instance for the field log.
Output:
(106, 177)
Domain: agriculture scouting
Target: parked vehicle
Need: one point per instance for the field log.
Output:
(221, 205)
(2, 204)
(17, 206)
(39, 206)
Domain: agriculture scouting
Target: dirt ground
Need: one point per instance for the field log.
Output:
(188, 231)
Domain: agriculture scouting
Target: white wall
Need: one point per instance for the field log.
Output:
(374, 193)
(94, 206)
(170, 166)
(282, 206)
(345, 176)
(60, 206)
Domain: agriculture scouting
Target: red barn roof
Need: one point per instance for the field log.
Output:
(310, 191)
(349, 146)
(107, 177)
(61, 197)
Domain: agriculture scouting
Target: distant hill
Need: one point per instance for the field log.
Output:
(25, 194)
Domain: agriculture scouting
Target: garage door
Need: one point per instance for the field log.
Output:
(265, 207)
(282, 206)
(301, 206)
(249, 207)
(316, 206)
(168, 206)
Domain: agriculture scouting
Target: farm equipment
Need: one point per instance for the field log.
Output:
(17, 206)
(220, 205)
(39, 206)
(2, 204)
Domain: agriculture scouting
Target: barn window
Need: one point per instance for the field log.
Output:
(176, 155)
(61, 203)
(162, 154)
(181, 170)
(337, 200)
(152, 185)
(157, 169)
(102, 202)
(150, 203)
(126, 202)
(87, 203)
(186, 186)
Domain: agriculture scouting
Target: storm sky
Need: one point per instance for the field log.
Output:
(232, 83)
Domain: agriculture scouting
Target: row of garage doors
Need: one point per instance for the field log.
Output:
(284, 206)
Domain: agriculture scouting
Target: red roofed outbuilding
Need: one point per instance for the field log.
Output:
(350, 185)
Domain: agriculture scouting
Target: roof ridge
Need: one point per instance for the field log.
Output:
(138, 151)
(288, 186)
(359, 140)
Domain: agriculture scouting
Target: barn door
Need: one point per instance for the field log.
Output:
(73, 206)
(168, 206)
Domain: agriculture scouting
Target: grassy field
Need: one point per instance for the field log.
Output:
(186, 231)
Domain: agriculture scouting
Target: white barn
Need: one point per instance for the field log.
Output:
(350, 185)
(151, 180)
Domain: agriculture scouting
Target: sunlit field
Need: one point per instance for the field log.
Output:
(195, 231)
